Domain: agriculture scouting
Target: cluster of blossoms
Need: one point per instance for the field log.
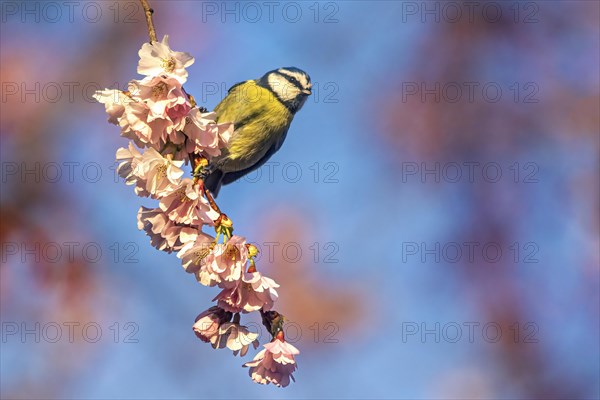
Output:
(167, 131)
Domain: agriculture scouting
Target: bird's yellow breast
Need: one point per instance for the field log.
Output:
(259, 119)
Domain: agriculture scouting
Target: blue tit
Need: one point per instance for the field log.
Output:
(261, 111)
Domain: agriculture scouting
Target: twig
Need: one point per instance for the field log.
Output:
(199, 162)
(211, 200)
(149, 11)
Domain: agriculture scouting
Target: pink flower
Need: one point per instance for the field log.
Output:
(226, 261)
(205, 136)
(251, 293)
(214, 326)
(194, 252)
(114, 102)
(274, 364)
(160, 174)
(152, 173)
(166, 100)
(185, 205)
(138, 125)
(158, 59)
(165, 234)
(129, 168)
(208, 323)
(215, 263)
(132, 116)
(139, 122)
(237, 338)
(160, 94)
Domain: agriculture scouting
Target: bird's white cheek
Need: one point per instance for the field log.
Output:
(290, 92)
(285, 91)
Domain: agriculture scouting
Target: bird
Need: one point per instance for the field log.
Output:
(261, 111)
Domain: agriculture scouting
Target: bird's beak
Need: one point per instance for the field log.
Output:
(307, 92)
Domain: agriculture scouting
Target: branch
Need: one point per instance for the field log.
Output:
(211, 200)
(148, 11)
(198, 163)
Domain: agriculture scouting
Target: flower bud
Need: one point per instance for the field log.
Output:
(252, 250)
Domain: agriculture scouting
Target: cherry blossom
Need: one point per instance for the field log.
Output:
(185, 205)
(274, 364)
(193, 253)
(144, 129)
(237, 338)
(252, 292)
(166, 130)
(214, 263)
(205, 136)
(165, 234)
(160, 174)
(129, 168)
(158, 59)
(207, 324)
(114, 103)
(166, 100)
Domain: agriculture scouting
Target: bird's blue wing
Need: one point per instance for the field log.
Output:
(234, 176)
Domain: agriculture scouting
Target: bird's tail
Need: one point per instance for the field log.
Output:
(214, 181)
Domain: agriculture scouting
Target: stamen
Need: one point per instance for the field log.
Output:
(159, 90)
(200, 255)
(168, 64)
(161, 171)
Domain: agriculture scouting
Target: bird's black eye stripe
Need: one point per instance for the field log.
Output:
(291, 80)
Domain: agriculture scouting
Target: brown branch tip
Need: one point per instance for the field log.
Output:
(149, 11)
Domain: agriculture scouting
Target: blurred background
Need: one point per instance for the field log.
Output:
(432, 217)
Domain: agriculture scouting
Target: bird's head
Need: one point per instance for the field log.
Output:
(291, 85)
